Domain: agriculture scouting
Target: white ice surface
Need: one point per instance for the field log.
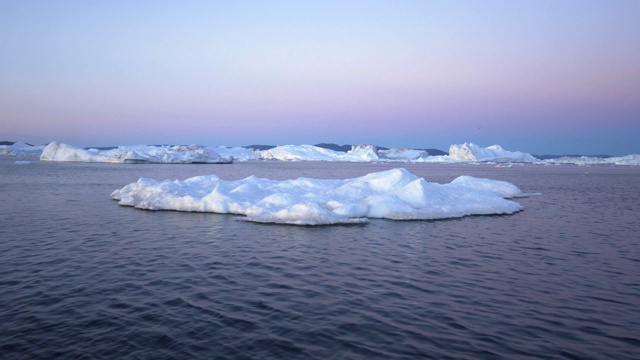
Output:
(402, 154)
(465, 153)
(360, 153)
(393, 194)
(494, 153)
(630, 160)
(134, 154)
(237, 153)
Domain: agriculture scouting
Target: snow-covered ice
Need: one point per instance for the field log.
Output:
(237, 153)
(494, 153)
(629, 160)
(301, 152)
(402, 154)
(358, 153)
(464, 153)
(393, 194)
(135, 154)
(467, 152)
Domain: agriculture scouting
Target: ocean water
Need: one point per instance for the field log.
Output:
(84, 278)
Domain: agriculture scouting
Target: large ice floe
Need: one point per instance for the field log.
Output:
(393, 194)
(495, 153)
(194, 154)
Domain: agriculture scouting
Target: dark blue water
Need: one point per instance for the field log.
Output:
(81, 277)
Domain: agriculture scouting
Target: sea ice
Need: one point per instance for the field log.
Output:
(393, 194)
(359, 153)
(494, 153)
(465, 153)
(402, 154)
(301, 152)
(20, 149)
(629, 160)
(237, 153)
(135, 154)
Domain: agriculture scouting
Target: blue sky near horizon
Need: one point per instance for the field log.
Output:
(545, 77)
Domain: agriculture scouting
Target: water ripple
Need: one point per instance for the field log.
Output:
(84, 278)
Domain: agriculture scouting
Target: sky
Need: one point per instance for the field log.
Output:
(544, 77)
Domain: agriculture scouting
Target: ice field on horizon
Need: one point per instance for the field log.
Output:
(135, 154)
(394, 194)
(494, 153)
(463, 153)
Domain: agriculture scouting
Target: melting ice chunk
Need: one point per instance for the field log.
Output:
(393, 194)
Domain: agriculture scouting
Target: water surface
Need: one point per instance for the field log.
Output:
(82, 277)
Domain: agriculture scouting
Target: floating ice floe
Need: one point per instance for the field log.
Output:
(193, 154)
(20, 149)
(393, 194)
(494, 153)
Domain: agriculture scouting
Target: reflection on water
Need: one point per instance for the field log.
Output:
(84, 277)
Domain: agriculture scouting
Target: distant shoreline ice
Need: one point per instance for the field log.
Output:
(193, 154)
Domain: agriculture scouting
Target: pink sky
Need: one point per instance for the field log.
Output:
(541, 77)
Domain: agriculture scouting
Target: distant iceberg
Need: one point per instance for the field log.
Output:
(359, 153)
(20, 149)
(629, 160)
(301, 152)
(366, 153)
(393, 194)
(237, 153)
(403, 154)
(462, 153)
(193, 154)
(495, 153)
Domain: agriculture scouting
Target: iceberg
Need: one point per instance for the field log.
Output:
(628, 160)
(464, 153)
(300, 152)
(394, 194)
(359, 153)
(495, 153)
(20, 149)
(631, 160)
(365, 153)
(193, 154)
(403, 154)
(237, 153)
